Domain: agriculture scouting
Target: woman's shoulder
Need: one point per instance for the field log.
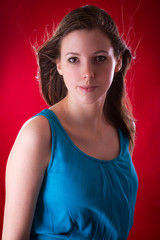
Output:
(26, 166)
(133, 130)
(34, 139)
(37, 127)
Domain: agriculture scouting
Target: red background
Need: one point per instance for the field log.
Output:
(24, 21)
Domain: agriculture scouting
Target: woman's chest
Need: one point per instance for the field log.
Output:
(104, 147)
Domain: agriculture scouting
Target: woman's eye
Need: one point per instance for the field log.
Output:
(73, 59)
(100, 58)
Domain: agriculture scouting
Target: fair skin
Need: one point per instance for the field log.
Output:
(87, 64)
(26, 165)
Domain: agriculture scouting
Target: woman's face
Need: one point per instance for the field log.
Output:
(87, 63)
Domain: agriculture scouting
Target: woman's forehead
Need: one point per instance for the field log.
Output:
(85, 39)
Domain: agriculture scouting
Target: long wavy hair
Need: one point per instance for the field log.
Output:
(116, 106)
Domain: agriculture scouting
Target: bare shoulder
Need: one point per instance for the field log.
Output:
(25, 171)
(133, 129)
(37, 126)
(133, 125)
(34, 138)
(37, 129)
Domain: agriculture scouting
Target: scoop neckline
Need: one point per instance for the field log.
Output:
(83, 153)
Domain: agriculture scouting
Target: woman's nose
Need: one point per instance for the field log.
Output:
(88, 71)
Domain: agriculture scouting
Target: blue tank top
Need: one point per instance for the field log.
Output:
(83, 197)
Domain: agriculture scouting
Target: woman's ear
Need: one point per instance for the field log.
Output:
(118, 64)
(58, 63)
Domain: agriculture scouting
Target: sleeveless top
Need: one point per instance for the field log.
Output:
(83, 197)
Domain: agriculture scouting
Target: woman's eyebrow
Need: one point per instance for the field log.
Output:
(101, 51)
(72, 53)
(78, 54)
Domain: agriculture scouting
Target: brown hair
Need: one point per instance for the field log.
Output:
(53, 88)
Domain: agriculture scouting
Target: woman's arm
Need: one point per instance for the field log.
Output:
(26, 166)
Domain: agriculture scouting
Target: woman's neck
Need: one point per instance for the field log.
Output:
(80, 115)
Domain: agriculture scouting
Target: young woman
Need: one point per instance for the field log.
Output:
(70, 174)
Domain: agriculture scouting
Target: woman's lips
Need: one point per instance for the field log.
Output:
(87, 88)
